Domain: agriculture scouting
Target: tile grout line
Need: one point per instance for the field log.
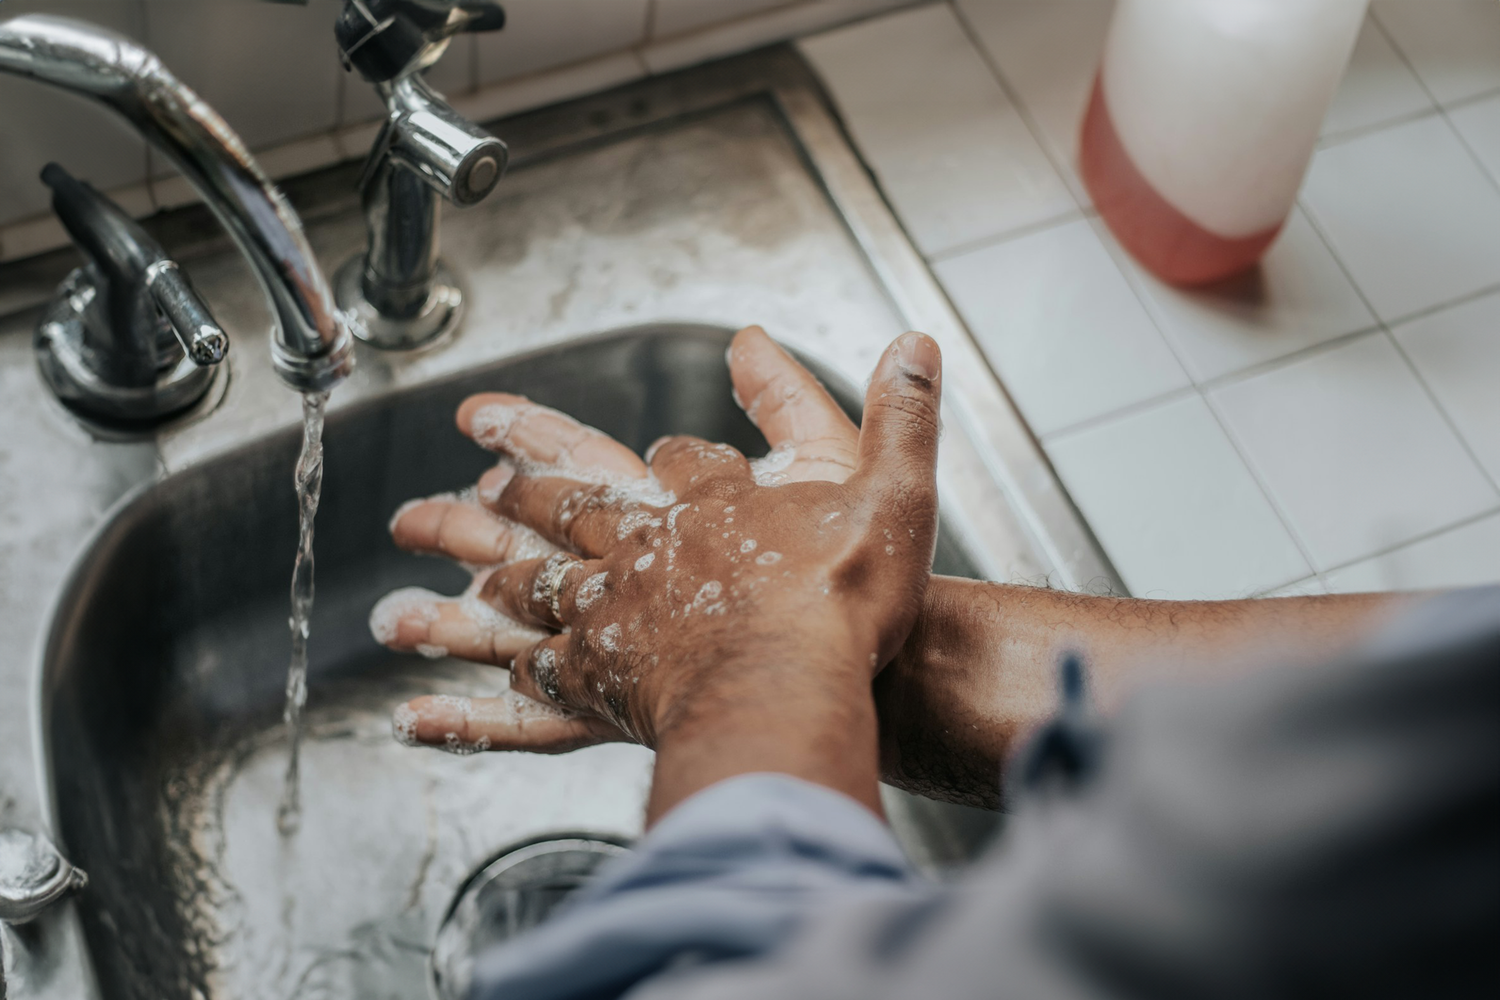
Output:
(1416, 540)
(1387, 328)
(1000, 239)
(1442, 110)
(1443, 412)
(1256, 474)
(1335, 139)
(1032, 127)
(1464, 102)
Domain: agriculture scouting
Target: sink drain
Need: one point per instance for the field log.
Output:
(513, 893)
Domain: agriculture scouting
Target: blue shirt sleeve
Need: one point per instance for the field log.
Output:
(729, 874)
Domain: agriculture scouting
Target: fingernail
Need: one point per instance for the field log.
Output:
(651, 451)
(404, 725)
(918, 356)
(493, 483)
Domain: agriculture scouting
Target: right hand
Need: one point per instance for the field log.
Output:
(789, 406)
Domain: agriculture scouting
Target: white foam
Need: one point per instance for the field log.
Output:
(432, 651)
(609, 637)
(544, 671)
(492, 424)
(407, 603)
(748, 545)
(633, 522)
(770, 469)
(644, 562)
(768, 558)
(404, 725)
(590, 590)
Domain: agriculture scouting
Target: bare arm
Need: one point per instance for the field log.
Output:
(979, 670)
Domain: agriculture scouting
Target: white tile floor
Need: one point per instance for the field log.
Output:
(1330, 423)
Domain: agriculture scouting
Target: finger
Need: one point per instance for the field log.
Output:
(792, 409)
(515, 426)
(413, 620)
(899, 435)
(589, 518)
(542, 672)
(465, 531)
(510, 722)
(680, 463)
(522, 591)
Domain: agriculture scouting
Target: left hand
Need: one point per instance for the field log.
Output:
(850, 560)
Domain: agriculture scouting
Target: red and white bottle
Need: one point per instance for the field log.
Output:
(1202, 123)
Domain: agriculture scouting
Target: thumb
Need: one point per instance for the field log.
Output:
(899, 434)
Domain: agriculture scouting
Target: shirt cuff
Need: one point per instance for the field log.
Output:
(730, 873)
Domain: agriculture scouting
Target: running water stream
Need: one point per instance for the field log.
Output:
(309, 483)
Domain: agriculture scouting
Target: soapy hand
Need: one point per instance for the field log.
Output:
(692, 580)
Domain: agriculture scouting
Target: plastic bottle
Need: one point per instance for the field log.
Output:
(1202, 122)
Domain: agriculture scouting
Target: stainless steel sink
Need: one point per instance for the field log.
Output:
(164, 687)
(669, 212)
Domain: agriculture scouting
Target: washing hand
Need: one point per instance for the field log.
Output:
(726, 590)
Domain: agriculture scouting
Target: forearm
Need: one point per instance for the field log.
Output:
(980, 670)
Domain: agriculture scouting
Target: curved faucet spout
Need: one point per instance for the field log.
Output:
(311, 346)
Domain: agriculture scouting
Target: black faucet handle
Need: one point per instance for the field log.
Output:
(388, 39)
(133, 265)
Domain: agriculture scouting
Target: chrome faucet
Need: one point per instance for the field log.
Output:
(399, 293)
(311, 346)
(126, 340)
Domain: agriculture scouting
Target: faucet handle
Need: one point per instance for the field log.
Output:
(136, 268)
(389, 39)
(105, 344)
(33, 875)
(194, 326)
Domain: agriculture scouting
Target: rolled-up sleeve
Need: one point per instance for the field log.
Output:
(730, 874)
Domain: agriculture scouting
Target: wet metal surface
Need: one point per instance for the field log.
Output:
(670, 213)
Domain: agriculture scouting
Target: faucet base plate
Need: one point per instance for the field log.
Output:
(439, 316)
(73, 371)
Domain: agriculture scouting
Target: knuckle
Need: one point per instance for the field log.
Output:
(919, 410)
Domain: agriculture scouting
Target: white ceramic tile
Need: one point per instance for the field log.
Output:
(30, 237)
(299, 156)
(1378, 86)
(40, 124)
(1354, 450)
(172, 190)
(1302, 588)
(1061, 326)
(775, 24)
(542, 34)
(674, 17)
(540, 89)
(354, 141)
(1410, 213)
(948, 147)
(1174, 506)
(1454, 45)
(1048, 52)
(270, 70)
(1297, 297)
(1479, 124)
(1467, 556)
(1457, 352)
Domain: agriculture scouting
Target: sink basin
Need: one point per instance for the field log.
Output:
(163, 680)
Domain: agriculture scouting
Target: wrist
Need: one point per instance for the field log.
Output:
(811, 716)
(943, 730)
